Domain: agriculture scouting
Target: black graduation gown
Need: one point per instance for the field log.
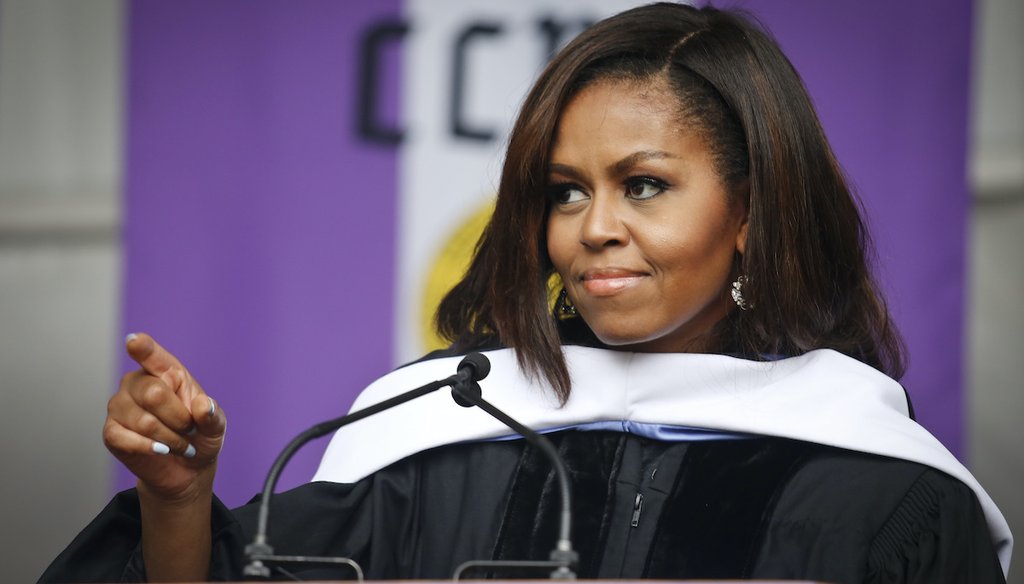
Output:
(746, 508)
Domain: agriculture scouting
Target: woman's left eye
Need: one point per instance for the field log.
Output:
(644, 187)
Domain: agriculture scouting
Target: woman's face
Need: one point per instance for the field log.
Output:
(641, 228)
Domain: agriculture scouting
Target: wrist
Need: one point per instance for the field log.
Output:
(199, 492)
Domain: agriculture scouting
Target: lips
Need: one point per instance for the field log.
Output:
(606, 282)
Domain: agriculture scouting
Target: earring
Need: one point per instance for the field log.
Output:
(737, 294)
(564, 306)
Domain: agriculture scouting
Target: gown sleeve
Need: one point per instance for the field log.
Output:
(109, 548)
(418, 518)
(937, 534)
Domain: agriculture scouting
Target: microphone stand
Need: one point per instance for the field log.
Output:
(563, 558)
(260, 551)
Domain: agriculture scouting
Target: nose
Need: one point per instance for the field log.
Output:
(603, 224)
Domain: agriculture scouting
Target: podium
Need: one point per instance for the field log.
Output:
(579, 581)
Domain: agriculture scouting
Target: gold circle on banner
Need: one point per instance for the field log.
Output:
(447, 269)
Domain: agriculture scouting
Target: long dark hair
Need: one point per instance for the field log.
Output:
(806, 251)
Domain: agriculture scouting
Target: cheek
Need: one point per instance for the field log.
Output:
(692, 251)
(558, 245)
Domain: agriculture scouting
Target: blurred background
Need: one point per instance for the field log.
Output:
(280, 192)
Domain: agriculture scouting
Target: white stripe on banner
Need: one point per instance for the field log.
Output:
(451, 157)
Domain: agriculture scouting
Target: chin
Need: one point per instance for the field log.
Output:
(651, 342)
(623, 340)
(623, 333)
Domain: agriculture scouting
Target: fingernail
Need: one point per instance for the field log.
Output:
(161, 448)
(190, 451)
(213, 407)
(192, 431)
(130, 338)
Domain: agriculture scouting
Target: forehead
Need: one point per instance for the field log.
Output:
(622, 114)
(652, 96)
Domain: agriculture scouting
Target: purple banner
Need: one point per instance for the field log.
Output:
(260, 228)
(260, 225)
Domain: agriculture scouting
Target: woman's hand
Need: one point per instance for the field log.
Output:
(168, 432)
(163, 427)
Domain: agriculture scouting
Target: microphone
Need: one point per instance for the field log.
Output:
(467, 393)
(470, 370)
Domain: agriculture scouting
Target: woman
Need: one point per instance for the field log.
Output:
(715, 355)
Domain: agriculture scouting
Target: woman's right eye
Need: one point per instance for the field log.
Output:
(564, 194)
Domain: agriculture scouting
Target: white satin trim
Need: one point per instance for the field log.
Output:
(822, 397)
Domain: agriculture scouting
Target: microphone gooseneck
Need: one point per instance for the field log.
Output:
(563, 559)
(471, 369)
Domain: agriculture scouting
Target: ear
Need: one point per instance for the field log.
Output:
(741, 213)
(741, 235)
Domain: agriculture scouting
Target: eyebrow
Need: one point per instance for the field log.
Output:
(616, 168)
(637, 157)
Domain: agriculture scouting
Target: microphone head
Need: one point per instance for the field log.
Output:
(479, 365)
(463, 388)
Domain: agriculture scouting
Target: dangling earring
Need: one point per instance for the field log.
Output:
(564, 306)
(737, 294)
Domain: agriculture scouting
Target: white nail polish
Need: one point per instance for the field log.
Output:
(213, 407)
(190, 452)
(192, 431)
(130, 338)
(161, 448)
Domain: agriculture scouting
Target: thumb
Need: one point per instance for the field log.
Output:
(210, 424)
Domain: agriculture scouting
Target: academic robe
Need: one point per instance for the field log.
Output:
(751, 502)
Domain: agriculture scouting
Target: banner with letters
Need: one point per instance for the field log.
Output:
(304, 180)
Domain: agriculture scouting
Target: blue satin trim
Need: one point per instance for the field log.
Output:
(663, 432)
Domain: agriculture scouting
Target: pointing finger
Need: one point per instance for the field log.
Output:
(160, 363)
(153, 358)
